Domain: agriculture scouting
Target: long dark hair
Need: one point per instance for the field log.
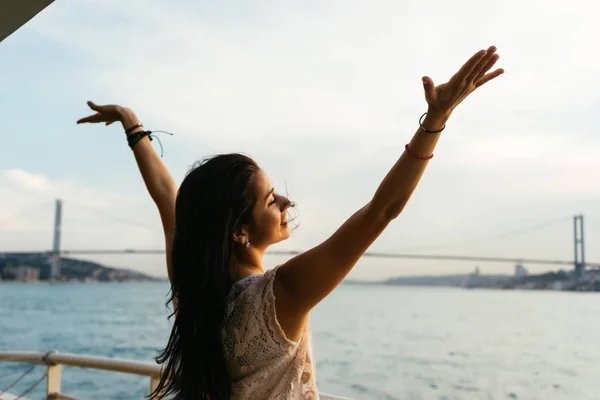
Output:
(214, 200)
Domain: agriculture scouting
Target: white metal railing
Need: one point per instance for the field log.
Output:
(54, 360)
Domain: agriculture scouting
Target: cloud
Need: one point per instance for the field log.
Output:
(345, 71)
(61, 189)
(27, 180)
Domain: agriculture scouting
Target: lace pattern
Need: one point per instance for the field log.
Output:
(263, 363)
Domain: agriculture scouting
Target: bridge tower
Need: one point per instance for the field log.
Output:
(55, 258)
(579, 247)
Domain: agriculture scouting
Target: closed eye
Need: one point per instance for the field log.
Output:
(271, 193)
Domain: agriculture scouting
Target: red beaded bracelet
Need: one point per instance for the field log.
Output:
(415, 155)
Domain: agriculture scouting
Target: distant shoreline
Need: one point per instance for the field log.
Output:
(10, 282)
(34, 268)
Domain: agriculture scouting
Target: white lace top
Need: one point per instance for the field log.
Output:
(263, 363)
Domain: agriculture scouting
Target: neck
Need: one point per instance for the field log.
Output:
(247, 262)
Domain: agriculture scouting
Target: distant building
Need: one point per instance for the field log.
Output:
(22, 274)
(520, 271)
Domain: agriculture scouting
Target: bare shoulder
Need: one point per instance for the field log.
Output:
(305, 280)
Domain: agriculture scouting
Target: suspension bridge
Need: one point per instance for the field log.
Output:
(578, 264)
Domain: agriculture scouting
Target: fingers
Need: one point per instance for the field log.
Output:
(91, 118)
(429, 89)
(483, 65)
(93, 106)
(492, 61)
(468, 67)
(488, 77)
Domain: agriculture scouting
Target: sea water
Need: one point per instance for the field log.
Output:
(371, 342)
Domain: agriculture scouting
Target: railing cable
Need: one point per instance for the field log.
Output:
(18, 379)
(32, 386)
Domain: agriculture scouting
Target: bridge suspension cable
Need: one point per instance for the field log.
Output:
(499, 235)
(25, 211)
(116, 218)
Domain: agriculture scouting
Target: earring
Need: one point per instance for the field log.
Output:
(248, 244)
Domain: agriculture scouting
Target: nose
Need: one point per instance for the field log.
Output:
(284, 203)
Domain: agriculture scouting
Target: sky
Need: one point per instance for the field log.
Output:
(324, 95)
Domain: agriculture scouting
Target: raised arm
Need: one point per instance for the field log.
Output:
(306, 279)
(159, 182)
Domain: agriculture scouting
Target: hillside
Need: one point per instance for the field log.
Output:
(73, 269)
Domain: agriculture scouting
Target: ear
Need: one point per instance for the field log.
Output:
(240, 235)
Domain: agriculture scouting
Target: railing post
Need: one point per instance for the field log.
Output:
(52, 375)
(53, 380)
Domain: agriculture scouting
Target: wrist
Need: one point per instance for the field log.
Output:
(435, 119)
(129, 119)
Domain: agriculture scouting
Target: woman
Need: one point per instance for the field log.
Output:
(240, 331)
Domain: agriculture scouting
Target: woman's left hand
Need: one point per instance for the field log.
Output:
(444, 98)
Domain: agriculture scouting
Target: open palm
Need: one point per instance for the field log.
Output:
(473, 74)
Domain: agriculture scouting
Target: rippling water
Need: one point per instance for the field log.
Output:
(371, 342)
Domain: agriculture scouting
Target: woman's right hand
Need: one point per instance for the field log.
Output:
(110, 113)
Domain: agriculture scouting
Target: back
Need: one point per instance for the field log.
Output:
(262, 362)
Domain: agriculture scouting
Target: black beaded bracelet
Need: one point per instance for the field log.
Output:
(136, 137)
